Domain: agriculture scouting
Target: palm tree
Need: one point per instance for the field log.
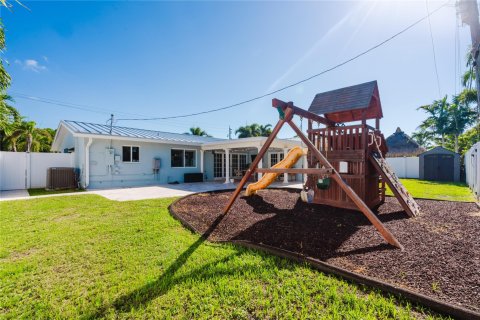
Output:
(9, 116)
(4, 76)
(437, 121)
(31, 138)
(468, 77)
(461, 114)
(423, 138)
(254, 130)
(40, 141)
(265, 130)
(197, 131)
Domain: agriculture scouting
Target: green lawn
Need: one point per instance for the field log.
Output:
(437, 190)
(89, 257)
(43, 192)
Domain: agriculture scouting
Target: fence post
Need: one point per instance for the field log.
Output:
(28, 170)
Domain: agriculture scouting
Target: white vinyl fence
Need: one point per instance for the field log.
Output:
(472, 164)
(21, 170)
(405, 167)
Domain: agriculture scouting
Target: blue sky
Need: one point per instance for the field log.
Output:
(168, 58)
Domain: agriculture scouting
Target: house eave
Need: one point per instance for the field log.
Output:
(123, 138)
(249, 143)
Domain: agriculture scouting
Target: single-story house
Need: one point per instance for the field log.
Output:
(113, 156)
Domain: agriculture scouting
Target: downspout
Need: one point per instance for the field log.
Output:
(87, 162)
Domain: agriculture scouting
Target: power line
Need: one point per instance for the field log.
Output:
(71, 105)
(433, 49)
(105, 111)
(457, 55)
(298, 82)
(145, 118)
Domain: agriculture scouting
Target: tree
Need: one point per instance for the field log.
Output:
(437, 122)
(423, 138)
(461, 115)
(9, 116)
(254, 130)
(265, 130)
(468, 77)
(30, 138)
(197, 131)
(4, 76)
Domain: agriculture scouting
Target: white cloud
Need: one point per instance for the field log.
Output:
(31, 64)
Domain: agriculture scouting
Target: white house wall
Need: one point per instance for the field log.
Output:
(136, 173)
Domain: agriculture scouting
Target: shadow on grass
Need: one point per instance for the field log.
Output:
(167, 280)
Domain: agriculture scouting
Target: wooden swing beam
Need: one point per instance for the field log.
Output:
(289, 110)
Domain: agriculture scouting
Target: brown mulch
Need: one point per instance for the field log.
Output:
(442, 245)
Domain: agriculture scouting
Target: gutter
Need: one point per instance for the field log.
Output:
(87, 162)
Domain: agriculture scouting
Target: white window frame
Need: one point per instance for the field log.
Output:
(131, 154)
(183, 167)
(279, 154)
(238, 161)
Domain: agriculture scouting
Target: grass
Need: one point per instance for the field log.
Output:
(450, 191)
(42, 191)
(84, 256)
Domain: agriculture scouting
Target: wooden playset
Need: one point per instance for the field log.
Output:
(346, 165)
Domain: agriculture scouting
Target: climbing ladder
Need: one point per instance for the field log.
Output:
(388, 175)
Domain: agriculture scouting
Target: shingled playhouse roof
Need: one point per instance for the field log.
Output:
(349, 103)
(401, 145)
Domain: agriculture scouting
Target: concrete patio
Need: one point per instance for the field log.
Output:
(143, 193)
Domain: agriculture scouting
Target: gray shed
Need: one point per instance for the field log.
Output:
(440, 164)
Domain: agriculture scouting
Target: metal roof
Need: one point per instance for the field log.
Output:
(104, 130)
(341, 103)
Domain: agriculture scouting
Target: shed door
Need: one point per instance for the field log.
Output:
(439, 167)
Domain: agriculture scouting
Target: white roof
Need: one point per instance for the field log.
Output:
(78, 127)
(102, 131)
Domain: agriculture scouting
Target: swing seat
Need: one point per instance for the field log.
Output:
(323, 184)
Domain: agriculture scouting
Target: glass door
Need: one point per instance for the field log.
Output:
(219, 165)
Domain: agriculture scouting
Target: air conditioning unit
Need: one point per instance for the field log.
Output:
(61, 178)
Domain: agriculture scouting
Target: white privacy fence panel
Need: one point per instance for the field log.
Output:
(405, 167)
(472, 164)
(40, 162)
(21, 170)
(13, 169)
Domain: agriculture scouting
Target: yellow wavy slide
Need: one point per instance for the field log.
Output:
(292, 157)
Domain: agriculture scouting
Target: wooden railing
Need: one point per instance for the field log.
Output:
(356, 137)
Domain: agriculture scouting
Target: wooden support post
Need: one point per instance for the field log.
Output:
(261, 153)
(314, 171)
(386, 234)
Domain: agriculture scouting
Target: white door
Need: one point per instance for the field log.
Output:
(13, 170)
(218, 165)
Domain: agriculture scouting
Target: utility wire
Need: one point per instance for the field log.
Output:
(433, 49)
(71, 105)
(301, 81)
(104, 111)
(144, 118)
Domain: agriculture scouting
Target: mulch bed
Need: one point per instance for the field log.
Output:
(442, 245)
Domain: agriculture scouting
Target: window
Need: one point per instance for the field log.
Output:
(238, 163)
(275, 158)
(190, 159)
(130, 154)
(183, 158)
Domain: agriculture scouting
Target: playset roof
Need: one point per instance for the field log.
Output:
(349, 104)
